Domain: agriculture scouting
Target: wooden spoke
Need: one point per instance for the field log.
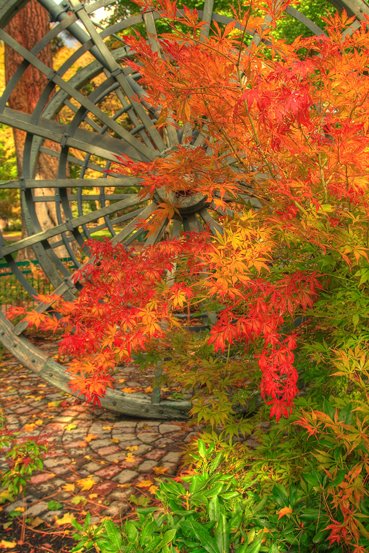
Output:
(69, 225)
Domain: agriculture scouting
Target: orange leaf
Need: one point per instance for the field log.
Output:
(145, 484)
(284, 511)
(160, 470)
(90, 437)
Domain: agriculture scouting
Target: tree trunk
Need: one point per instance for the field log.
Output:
(28, 27)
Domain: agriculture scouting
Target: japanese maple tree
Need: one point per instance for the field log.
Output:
(262, 121)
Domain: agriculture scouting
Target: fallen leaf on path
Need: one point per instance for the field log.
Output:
(77, 499)
(70, 426)
(69, 487)
(68, 518)
(130, 458)
(4, 544)
(90, 437)
(86, 483)
(35, 522)
(54, 403)
(132, 447)
(29, 427)
(160, 470)
(145, 484)
(7, 525)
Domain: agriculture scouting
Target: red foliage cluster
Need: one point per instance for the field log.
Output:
(267, 307)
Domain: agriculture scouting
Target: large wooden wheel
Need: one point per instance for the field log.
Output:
(87, 115)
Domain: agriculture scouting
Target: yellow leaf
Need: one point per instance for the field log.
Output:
(70, 426)
(77, 499)
(86, 483)
(148, 390)
(132, 447)
(107, 428)
(129, 390)
(115, 440)
(130, 458)
(69, 487)
(284, 511)
(93, 495)
(53, 404)
(68, 518)
(4, 544)
(153, 489)
(4, 496)
(145, 484)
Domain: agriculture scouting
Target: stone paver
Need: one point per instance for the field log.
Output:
(85, 442)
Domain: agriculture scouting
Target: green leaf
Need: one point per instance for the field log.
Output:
(216, 462)
(251, 548)
(222, 534)
(340, 477)
(169, 536)
(213, 509)
(54, 505)
(131, 531)
(204, 537)
(227, 496)
(202, 449)
(320, 536)
(313, 478)
(280, 494)
(113, 534)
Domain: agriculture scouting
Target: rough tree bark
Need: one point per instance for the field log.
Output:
(28, 27)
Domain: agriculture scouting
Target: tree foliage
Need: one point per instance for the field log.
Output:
(286, 125)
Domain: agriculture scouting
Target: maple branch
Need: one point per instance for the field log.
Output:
(257, 142)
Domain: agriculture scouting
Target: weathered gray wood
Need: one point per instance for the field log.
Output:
(130, 404)
(78, 221)
(104, 146)
(70, 183)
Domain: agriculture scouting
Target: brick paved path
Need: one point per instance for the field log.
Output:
(89, 447)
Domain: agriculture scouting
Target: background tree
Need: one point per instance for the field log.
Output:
(27, 93)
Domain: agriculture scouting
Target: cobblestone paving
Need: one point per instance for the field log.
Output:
(98, 457)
